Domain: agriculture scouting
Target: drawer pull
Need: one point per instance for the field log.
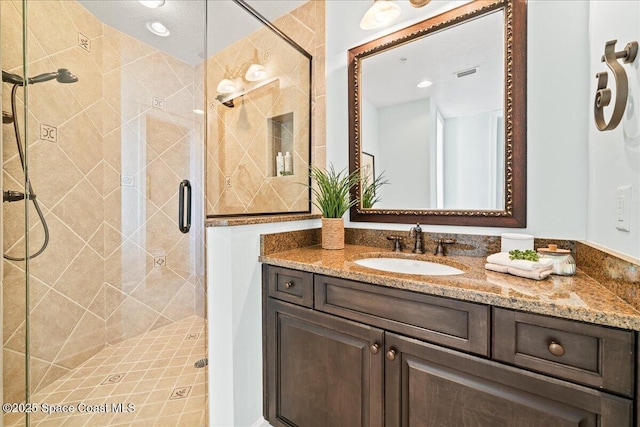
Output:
(288, 285)
(374, 348)
(556, 349)
(391, 354)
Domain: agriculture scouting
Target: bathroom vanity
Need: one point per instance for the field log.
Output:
(345, 345)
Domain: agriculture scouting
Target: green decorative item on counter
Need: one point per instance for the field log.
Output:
(528, 255)
(333, 192)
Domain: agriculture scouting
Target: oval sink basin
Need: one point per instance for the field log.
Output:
(409, 266)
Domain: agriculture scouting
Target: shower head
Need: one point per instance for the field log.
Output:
(62, 76)
(11, 78)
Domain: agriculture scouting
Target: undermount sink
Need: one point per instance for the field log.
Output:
(409, 266)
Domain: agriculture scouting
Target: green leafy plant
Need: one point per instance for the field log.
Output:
(528, 255)
(370, 195)
(332, 196)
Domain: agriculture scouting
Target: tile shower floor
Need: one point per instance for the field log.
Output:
(153, 372)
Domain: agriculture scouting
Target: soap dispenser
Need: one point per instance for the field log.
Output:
(279, 164)
(288, 165)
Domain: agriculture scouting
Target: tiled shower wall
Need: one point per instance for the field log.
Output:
(116, 265)
(240, 154)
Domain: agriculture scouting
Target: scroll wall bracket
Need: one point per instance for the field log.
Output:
(603, 93)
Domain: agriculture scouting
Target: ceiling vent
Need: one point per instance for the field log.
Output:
(467, 72)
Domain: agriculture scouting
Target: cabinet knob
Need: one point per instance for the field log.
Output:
(374, 348)
(288, 285)
(391, 354)
(556, 349)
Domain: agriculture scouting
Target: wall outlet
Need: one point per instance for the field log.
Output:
(623, 208)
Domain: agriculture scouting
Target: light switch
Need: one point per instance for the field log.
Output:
(623, 208)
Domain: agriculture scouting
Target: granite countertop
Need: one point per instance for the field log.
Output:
(578, 297)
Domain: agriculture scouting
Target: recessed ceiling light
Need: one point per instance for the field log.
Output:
(153, 4)
(158, 29)
(424, 83)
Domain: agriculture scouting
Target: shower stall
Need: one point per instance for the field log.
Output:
(103, 295)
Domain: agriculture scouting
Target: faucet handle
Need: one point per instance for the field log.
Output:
(397, 246)
(441, 242)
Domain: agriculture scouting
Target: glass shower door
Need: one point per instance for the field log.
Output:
(115, 329)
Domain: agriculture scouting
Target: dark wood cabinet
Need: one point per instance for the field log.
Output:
(365, 355)
(322, 370)
(426, 385)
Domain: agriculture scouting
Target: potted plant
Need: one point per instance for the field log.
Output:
(370, 187)
(332, 197)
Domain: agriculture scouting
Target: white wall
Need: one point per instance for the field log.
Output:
(470, 161)
(557, 119)
(614, 156)
(235, 324)
(405, 138)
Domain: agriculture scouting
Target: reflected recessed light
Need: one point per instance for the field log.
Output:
(153, 4)
(158, 29)
(424, 83)
(199, 111)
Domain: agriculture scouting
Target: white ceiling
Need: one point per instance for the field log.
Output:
(390, 78)
(227, 22)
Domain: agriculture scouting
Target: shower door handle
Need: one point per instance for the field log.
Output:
(184, 220)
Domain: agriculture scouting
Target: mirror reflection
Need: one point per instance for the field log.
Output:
(432, 119)
(439, 107)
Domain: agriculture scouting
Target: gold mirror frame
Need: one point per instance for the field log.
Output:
(515, 89)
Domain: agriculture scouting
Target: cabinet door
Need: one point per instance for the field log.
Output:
(322, 370)
(431, 386)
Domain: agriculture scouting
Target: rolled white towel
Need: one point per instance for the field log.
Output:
(538, 274)
(501, 258)
(496, 267)
(523, 264)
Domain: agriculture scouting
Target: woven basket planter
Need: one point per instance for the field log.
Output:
(332, 233)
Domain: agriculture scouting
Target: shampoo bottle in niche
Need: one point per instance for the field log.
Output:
(288, 164)
(279, 164)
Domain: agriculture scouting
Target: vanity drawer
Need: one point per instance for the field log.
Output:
(593, 355)
(455, 324)
(293, 286)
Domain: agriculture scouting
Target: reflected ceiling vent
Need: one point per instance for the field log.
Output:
(468, 72)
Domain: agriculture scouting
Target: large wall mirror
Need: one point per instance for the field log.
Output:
(438, 111)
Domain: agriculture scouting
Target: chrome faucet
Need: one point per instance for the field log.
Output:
(416, 232)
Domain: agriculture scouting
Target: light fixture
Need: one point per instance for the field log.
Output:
(158, 29)
(153, 4)
(256, 72)
(424, 83)
(381, 13)
(226, 86)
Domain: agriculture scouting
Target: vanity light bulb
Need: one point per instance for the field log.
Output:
(255, 73)
(381, 13)
(226, 86)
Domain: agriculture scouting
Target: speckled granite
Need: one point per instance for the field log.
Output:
(278, 242)
(620, 276)
(578, 297)
(258, 219)
(465, 245)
